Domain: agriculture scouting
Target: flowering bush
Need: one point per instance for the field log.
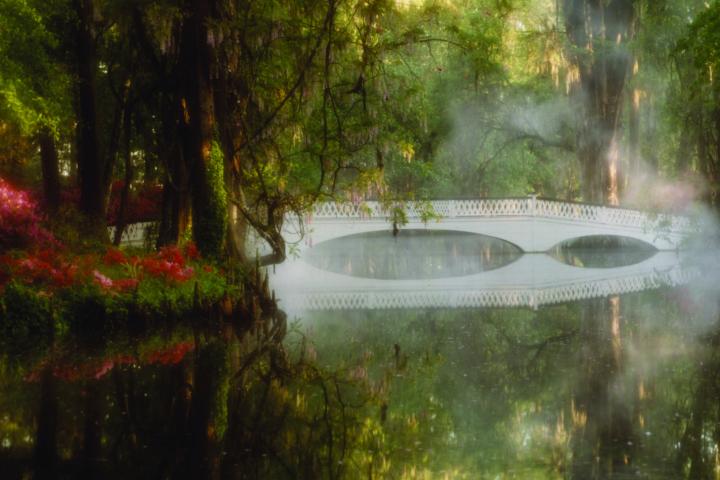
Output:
(45, 287)
(20, 220)
(144, 205)
(50, 270)
(91, 294)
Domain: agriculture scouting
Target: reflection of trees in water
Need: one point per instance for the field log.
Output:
(412, 254)
(628, 424)
(699, 426)
(603, 438)
(581, 391)
(238, 405)
(602, 252)
(555, 392)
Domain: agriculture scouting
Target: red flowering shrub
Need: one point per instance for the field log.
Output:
(20, 220)
(168, 264)
(114, 256)
(172, 254)
(143, 205)
(50, 269)
(191, 251)
(43, 268)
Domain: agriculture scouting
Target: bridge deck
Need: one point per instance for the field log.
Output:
(534, 225)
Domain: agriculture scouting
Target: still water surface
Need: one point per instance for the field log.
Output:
(608, 387)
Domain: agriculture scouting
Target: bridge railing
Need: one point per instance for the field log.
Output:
(509, 207)
(475, 298)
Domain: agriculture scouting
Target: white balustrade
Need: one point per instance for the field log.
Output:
(510, 207)
(135, 234)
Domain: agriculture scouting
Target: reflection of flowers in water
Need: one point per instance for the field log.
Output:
(70, 371)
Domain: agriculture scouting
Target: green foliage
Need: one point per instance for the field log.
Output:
(33, 86)
(24, 314)
(90, 313)
(702, 42)
(210, 224)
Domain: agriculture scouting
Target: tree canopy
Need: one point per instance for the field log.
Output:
(246, 112)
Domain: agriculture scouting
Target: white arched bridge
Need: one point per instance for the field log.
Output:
(532, 224)
(531, 281)
(535, 279)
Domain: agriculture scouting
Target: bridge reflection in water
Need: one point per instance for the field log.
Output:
(531, 281)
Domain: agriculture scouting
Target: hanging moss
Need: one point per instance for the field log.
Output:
(210, 207)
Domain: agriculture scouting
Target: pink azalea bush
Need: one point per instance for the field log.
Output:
(47, 285)
(37, 259)
(20, 220)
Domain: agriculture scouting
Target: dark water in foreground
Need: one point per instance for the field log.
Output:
(610, 387)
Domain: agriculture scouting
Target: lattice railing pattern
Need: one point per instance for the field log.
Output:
(533, 297)
(505, 208)
(135, 234)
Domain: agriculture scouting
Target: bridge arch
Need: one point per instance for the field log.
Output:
(638, 242)
(404, 230)
(534, 225)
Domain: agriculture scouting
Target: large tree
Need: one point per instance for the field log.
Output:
(599, 32)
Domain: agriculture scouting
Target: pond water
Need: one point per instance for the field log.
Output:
(602, 252)
(614, 385)
(412, 254)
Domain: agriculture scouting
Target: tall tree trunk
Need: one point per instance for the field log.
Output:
(683, 157)
(651, 131)
(121, 221)
(634, 154)
(236, 225)
(197, 131)
(599, 32)
(90, 164)
(175, 217)
(50, 169)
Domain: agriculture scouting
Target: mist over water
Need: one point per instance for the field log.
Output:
(584, 389)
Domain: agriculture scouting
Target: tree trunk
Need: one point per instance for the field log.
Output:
(175, 200)
(121, 221)
(598, 32)
(90, 164)
(236, 225)
(50, 169)
(197, 123)
(634, 154)
(683, 158)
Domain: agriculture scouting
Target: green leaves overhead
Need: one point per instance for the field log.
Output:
(33, 86)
